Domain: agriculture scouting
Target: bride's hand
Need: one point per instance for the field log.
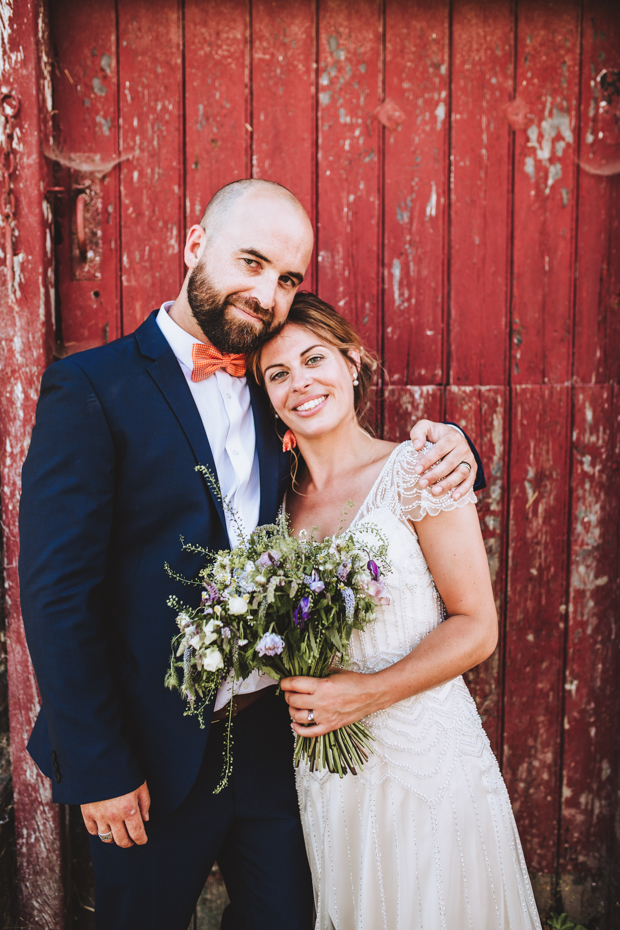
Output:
(342, 698)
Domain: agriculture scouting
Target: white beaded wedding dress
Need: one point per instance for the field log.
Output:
(424, 837)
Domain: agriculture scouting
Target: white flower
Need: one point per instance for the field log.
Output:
(237, 605)
(211, 630)
(212, 660)
(260, 579)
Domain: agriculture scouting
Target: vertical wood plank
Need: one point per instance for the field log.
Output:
(544, 191)
(86, 133)
(216, 99)
(348, 161)
(593, 656)
(283, 96)
(403, 406)
(481, 411)
(481, 149)
(536, 614)
(597, 320)
(25, 331)
(416, 185)
(151, 108)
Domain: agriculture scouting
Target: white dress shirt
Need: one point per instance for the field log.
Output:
(225, 409)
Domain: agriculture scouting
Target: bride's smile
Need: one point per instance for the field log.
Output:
(310, 383)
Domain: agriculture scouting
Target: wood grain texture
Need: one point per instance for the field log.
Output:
(284, 98)
(86, 133)
(403, 406)
(416, 189)
(536, 614)
(593, 654)
(547, 70)
(151, 108)
(597, 309)
(349, 139)
(481, 150)
(482, 413)
(26, 331)
(217, 142)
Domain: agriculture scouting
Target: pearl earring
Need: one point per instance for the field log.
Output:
(355, 382)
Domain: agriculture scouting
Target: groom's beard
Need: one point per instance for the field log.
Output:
(217, 319)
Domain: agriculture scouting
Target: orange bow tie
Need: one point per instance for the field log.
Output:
(206, 360)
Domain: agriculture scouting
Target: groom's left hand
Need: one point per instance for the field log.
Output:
(444, 467)
(335, 701)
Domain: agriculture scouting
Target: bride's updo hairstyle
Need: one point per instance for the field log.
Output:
(319, 318)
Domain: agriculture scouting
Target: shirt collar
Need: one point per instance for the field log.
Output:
(178, 339)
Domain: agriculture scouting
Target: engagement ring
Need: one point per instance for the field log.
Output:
(310, 716)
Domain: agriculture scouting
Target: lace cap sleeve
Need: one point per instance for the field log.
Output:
(415, 503)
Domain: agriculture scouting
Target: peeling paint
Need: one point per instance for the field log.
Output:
(431, 206)
(440, 113)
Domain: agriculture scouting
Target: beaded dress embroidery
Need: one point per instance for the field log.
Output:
(424, 837)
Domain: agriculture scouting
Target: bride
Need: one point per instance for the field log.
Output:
(424, 837)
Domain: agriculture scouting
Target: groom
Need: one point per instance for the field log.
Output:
(109, 486)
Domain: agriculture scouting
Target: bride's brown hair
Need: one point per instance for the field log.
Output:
(320, 318)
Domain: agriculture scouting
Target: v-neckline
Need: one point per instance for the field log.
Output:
(368, 496)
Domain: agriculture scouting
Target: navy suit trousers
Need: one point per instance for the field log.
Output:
(251, 827)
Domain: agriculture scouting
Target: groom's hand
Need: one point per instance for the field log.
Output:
(124, 817)
(451, 447)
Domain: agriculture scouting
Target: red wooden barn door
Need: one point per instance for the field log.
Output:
(471, 231)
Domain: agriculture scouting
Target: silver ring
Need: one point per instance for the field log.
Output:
(310, 716)
(105, 837)
(466, 463)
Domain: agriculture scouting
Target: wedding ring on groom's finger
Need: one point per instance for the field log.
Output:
(105, 837)
(466, 464)
(310, 716)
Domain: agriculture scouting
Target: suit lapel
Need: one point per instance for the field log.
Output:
(269, 453)
(167, 375)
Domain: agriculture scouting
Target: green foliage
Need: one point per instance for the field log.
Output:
(282, 605)
(562, 922)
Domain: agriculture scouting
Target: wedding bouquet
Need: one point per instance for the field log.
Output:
(285, 605)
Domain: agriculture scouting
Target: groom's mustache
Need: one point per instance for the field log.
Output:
(252, 305)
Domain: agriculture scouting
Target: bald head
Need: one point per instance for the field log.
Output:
(246, 194)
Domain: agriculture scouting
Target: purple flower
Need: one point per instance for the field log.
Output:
(373, 568)
(270, 645)
(302, 608)
(210, 594)
(315, 584)
(343, 570)
(266, 559)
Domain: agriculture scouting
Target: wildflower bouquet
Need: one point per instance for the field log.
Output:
(284, 605)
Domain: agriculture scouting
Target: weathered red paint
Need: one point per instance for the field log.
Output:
(284, 82)
(349, 153)
(25, 324)
(547, 71)
(536, 614)
(481, 148)
(86, 135)
(416, 188)
(217, 103)
(597, 288)
(152, 189)
(590, 762)
(457, 265)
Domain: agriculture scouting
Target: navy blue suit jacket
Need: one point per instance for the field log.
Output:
(109, 486)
